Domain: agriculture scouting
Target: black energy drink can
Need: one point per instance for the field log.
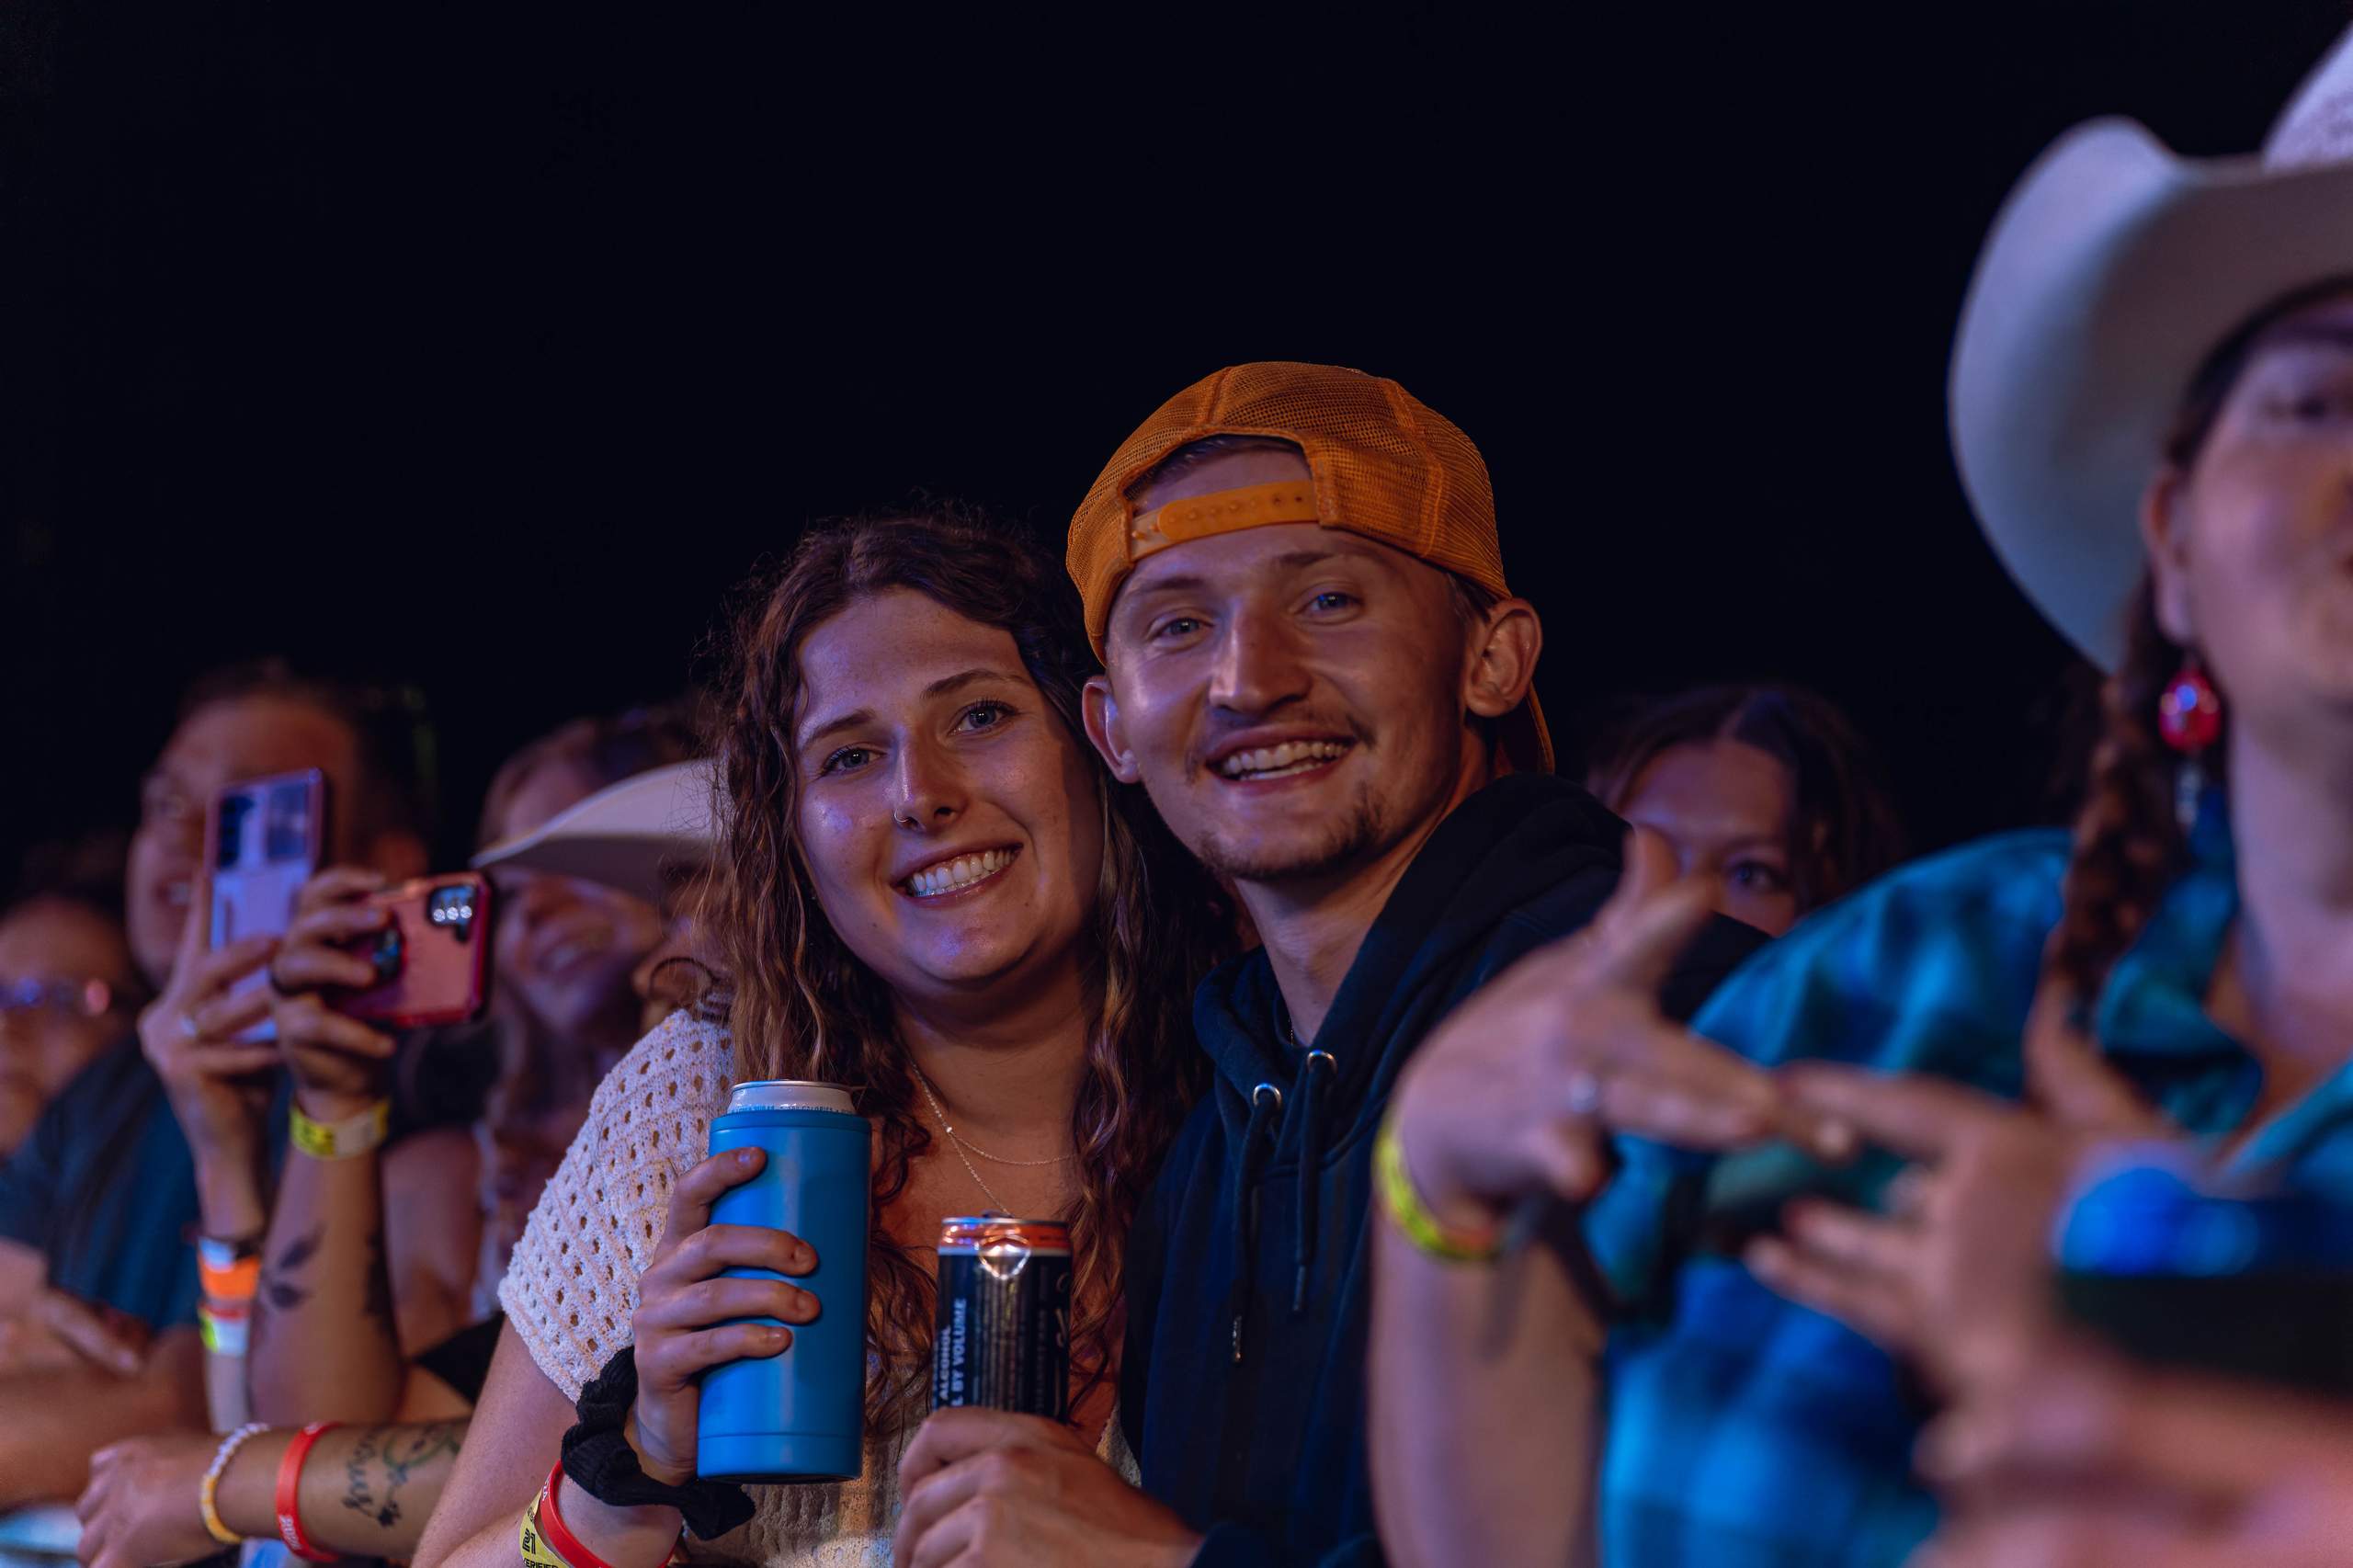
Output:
(1003, 1340)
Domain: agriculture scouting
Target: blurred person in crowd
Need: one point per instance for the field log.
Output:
(2145, 338)
(424, 1227)
(569, 950)
(929, 891)
(1767, 790)
(98, 1206)
(651, 837)
(1317, 671)
(68, 985)
(321, 1353)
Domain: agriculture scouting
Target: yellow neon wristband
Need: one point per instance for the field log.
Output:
(1430, 1235)
(342, 1139)
(536, 1550)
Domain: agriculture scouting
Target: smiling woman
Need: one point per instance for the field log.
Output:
(933, 896)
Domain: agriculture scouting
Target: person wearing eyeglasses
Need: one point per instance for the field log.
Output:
(68, 988)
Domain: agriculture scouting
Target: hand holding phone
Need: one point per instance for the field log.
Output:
(361, 960)
(340, 1065)
(197, 1035)
(429, 954)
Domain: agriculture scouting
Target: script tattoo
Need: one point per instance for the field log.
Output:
(386, 1458)
(358, 1495)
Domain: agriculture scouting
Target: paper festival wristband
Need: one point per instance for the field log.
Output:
(1402, 1199)
(228, 1271)
(536, 1553)
(342, 1139)
(225, 1331)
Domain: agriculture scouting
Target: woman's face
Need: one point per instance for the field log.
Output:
(950, 821)
(1724, 806)
(2253, 548)
(565, 948)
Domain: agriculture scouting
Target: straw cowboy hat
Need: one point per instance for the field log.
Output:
(634, 836)
(2114, 269)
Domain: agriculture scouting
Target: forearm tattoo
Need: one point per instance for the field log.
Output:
(385, 1459)
(277, 1290)
(378, 1302)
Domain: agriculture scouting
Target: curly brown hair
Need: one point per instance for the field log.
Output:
(802, 1004)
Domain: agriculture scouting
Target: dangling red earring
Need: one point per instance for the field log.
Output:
(2190, 717)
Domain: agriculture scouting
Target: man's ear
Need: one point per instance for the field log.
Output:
(2164, 531)
(1101, 710)
(398, 854)
(1503, 664)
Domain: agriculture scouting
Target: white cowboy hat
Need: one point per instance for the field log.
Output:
(634, 836)
(2113, 271)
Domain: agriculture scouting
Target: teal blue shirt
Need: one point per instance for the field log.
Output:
(1745, 1430)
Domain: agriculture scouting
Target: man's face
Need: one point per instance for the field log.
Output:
(220, 743)
(1291, 695)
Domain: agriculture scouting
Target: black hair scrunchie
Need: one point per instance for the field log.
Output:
(599, 1459)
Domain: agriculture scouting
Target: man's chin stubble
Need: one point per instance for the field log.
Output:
(1344, 841)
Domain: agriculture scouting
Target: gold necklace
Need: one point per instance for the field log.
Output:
(961, 1147)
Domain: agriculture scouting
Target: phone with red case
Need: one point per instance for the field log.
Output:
(432, 958)
(262, 840)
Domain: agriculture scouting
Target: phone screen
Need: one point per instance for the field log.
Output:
(265, 835)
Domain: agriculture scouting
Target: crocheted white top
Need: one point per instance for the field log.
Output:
(571, 1290)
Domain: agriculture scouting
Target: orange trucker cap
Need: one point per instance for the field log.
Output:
(1382, 464)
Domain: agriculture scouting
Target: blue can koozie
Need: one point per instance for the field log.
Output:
(800, 1415)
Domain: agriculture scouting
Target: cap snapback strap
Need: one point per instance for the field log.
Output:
(1221, 512)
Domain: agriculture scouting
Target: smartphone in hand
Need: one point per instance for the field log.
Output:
(263, 838)
(432, 957)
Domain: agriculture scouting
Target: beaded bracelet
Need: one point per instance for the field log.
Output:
(1430, 1235)
(207, 1490)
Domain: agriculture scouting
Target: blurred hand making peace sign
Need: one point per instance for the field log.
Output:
(1518, 1093)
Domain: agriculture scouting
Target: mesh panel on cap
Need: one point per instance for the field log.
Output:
(1385, 466)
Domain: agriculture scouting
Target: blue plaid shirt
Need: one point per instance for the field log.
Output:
(1745, 1430)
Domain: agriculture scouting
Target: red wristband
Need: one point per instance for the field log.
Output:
(559, 1540)
(290, 1484)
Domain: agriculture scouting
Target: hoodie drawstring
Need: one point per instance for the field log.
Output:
(1266, 1103)
(1311, 1174)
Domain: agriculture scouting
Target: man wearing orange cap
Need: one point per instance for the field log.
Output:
(1317, 669)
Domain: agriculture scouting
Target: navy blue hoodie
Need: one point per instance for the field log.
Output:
(1249, 1270)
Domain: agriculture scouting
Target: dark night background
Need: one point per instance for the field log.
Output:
(488, 351)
